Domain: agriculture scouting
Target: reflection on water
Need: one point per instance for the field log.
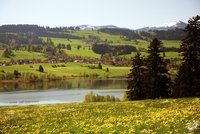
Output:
(53, 96)
(70, 91)
(68, 84)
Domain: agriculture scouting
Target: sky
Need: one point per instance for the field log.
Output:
(123, 13)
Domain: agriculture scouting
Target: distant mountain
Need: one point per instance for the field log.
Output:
(165, 26)
(89, 27)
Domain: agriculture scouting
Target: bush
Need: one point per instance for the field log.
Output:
(41, 69)
(91, 97)
(17, 74)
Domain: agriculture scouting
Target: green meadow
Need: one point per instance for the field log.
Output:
(86, 51)
(22, 55)
(103, 36)
(72, 42)
(70, 69)
(171, 43)
(168, 55)
(82, 52)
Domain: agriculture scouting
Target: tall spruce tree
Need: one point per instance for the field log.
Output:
(187, 82)
(158, 80)
(136, 86)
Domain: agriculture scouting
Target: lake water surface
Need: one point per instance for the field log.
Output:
(71, 91)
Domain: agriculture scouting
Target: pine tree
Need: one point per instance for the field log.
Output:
(41, 69)
(158, 80)
(136, 87)
(107, 69)
(99, 66)
(187, 82)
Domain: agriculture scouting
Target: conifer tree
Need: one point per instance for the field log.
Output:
(99, 66)
(158, 80)
(187, 82)
(107, 69)
(136, 86)
(41, 69)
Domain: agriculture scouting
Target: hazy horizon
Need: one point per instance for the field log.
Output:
(127, 14)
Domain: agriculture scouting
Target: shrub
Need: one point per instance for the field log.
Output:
(41, 69)
(91, 97)
(17, 74)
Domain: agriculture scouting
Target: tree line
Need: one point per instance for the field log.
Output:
(20, 38)
(38, 31)
(113, 50)
(127, 34)
(62, 32)
(149, 77)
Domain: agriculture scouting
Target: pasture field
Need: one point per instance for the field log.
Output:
(119, 41)
(143, 44)
(115, 40)
(168, 55)
(145, 116)
(73, 42)
(69, 69)
(139, 44)
(22, 55)
(171, 43)
(103, 36)
(82, 52)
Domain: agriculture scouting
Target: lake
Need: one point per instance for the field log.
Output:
(70, 91)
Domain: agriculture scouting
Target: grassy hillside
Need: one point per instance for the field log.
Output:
(75, 69)
(85, 53)
(115, 40)
(73, 42)
(103, 36)
(22, 55)
(168, 55)
(171, 43)
(70, 69)
(148, 116)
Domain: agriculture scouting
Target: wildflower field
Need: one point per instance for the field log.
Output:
(148, 116)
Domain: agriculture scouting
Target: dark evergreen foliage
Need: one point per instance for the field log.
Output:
(26, 38)
(136, 79)
(17, 74)
(99, 66)
(170, 49)
(22, 28)
(129, 34)
(78, 47)
(68, 47)
(41, 69)
(187, 82)
(176, 34)
(38, 31)
(114, 50)
(107, 69)
(173, 34)
(157, 77)
(149, 78)
(7, 53)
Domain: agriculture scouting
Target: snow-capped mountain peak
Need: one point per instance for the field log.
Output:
(166, 26)
(89, 27)
(169, 24)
